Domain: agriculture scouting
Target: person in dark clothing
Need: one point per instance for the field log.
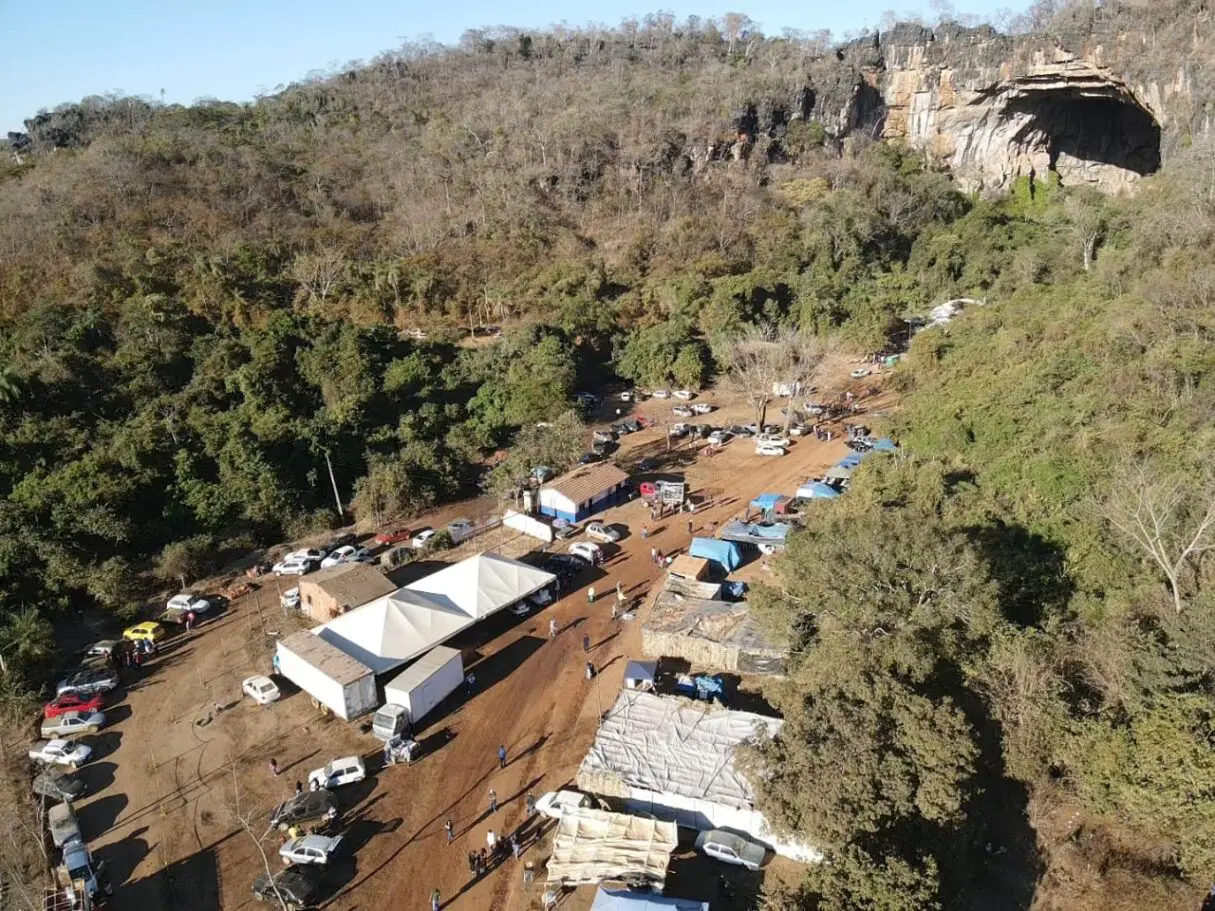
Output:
(586, 643)
(502, 756)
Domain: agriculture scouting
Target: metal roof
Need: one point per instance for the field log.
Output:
(329, 659)
(587, 481)
(351, 584)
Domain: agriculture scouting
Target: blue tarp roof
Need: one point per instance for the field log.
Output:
(613, 900)
(818, 490)
(852, 459)
(885, 444)
(767, 501)
(640, 670)
(724, 552)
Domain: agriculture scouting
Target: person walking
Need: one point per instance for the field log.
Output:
(590, 671)
(493, 801)
(645, 532)
(619, 592)
(590, 595)
(689, 526)
(654, 555)
(530, 803)
(491, 841)
(552, 629)
(450, 830)
(502, 756)
(435, 902)
(586, 642)
(515, 848)
(616, 611)
(274, 767)
(470, 682)
(189, 621)
(299, 787)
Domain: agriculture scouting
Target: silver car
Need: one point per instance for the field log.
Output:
(731, 848)
(309, 849)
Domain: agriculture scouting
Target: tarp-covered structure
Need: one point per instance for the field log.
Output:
(676, 759)
(591, 846)
(691, 621)
(623, 900)
(838, 473)
(412, 620)
(885, 444)
(817, 490)
(724, 553)
(757, 533)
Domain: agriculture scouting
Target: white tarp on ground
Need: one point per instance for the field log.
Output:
(591, 846)
(412, 620)
(675, 758)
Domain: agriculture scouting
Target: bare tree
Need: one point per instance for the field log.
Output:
(246, 818)
(1170, 517)
(318, 273)
(760, 361)
(1087, 218)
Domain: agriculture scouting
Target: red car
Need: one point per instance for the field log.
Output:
(72, 702)
(394, 536)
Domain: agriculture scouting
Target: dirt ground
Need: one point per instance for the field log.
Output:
(179, 795)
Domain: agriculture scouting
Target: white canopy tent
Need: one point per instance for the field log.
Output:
(399, 627)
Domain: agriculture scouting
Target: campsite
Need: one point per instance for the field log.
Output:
(189, 766)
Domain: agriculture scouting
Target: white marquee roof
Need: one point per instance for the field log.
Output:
(399, 627)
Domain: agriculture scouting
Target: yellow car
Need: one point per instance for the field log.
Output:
(150, 631)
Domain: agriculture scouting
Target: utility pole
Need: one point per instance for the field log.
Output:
(336, 498)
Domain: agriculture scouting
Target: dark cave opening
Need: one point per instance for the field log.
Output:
(1078, 131)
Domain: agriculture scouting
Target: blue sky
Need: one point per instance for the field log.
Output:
(56, 52)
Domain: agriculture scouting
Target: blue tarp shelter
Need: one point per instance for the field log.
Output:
(817, 490)
(766, 502)
(852, 460)
(885, 444)
(639, 675)
(725, 553)
(620, 900)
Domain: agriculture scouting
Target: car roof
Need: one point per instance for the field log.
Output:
(343, 760)
(313, 841)
(58, 742)
(259, 678)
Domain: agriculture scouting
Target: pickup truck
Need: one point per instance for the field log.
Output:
(73, 723)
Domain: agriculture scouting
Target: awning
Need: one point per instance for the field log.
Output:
(817, 490)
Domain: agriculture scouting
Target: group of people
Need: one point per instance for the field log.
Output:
(132, 654)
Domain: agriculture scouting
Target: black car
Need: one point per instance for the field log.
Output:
(563, 566)
(299, 886)
(56, 785)
(311, 809)
(702, 430)
(738, 430)
(590, 457)
(647, 464)
(339, 541)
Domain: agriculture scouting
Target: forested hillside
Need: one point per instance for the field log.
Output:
(1002, 686)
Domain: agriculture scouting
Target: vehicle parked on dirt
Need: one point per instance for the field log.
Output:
(290, 599)
(542, 598)
(719, 437)
(660, 394)
(588, 458)
(261, 689)
(309, 849)
(647, 464)
(677, 430)
(70, 753)
(188, 601)
(772, 439)
(148, 631)
(682, 411)
(860, 373)
(554, 803)
(347, 553)
(88, 680)
(603, 436)
(422, 538)
(600, 531)
(298, 887)
(295, 566)
(702, 430)
(563, 566)
(72, 723)
(684, 394)
(309, 811)
(587, 551)
(393, 536)
(731, 848)
(797, 429)
(770, 449)
(342, 540)
(337, 772)
(73, 702)
(55, 784)
(702, 408)
(101, 649)
(61, 820)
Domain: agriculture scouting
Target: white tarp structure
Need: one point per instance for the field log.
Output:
(529, 525)
(412, 620)
(591, 846)
(674, 758)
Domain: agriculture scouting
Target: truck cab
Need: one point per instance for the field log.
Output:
(79, 868)
(389, 721)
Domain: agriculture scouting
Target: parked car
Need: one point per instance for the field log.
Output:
(55, 784)
(261, 689)
(63, 825)
(309, 810)
(88, 680)
(731, 848)
(587, 551)
(684, 394)
(739, 430)
(647, 464)
(343, 540)
(796, 429)
(422, 538)
(68, 753)
(702, 430)
(601, 448)
(770, 449)
(310, 554)
(772, 439)
(298, 887)
(860, 373)
(101, 649)
(542, 598)
(719, 437)
(602, 532)
(564, 529)
(294, 566)
(660, 394)
(347, 553)
(337, 772)
(677, 430)
(73, 723)
(682, 411)
(702, 408)
(290, 599)
(563, 566)
(588, 458)
(148, 631)
(188, 601)
(393, 536)
(604, 436)
(554, 803)
(309, 849)
(72, 702)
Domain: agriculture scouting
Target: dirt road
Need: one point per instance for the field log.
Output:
(174, 794)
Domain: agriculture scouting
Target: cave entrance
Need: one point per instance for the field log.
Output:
(1086, 138)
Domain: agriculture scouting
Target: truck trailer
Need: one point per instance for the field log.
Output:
(426, 682)
(332, 678)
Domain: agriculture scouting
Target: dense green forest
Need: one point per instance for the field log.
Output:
(1001, 692)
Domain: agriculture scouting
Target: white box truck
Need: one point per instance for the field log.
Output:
(425, 683)
(331, 677)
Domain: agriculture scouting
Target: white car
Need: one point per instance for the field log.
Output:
(309, 849)
(731, 848)
(772, 439)
(348, 554)
(261, 689)
(73, 723)
(702, 408)
(294, 566)
(683, 394)
(678, 430)
(554, 803)
(422, 538)
(718, 437)
(626, 396)
(337, 772)
(601, 532)
(589, 552)
(770, 449)
(61, 752)
(307, 553)
(187, 601)
(681, 411)
(660, 394)
(290, 599)
(859, 373)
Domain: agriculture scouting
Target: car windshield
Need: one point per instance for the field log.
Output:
(328, 770)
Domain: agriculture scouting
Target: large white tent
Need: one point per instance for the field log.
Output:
(412, 620)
